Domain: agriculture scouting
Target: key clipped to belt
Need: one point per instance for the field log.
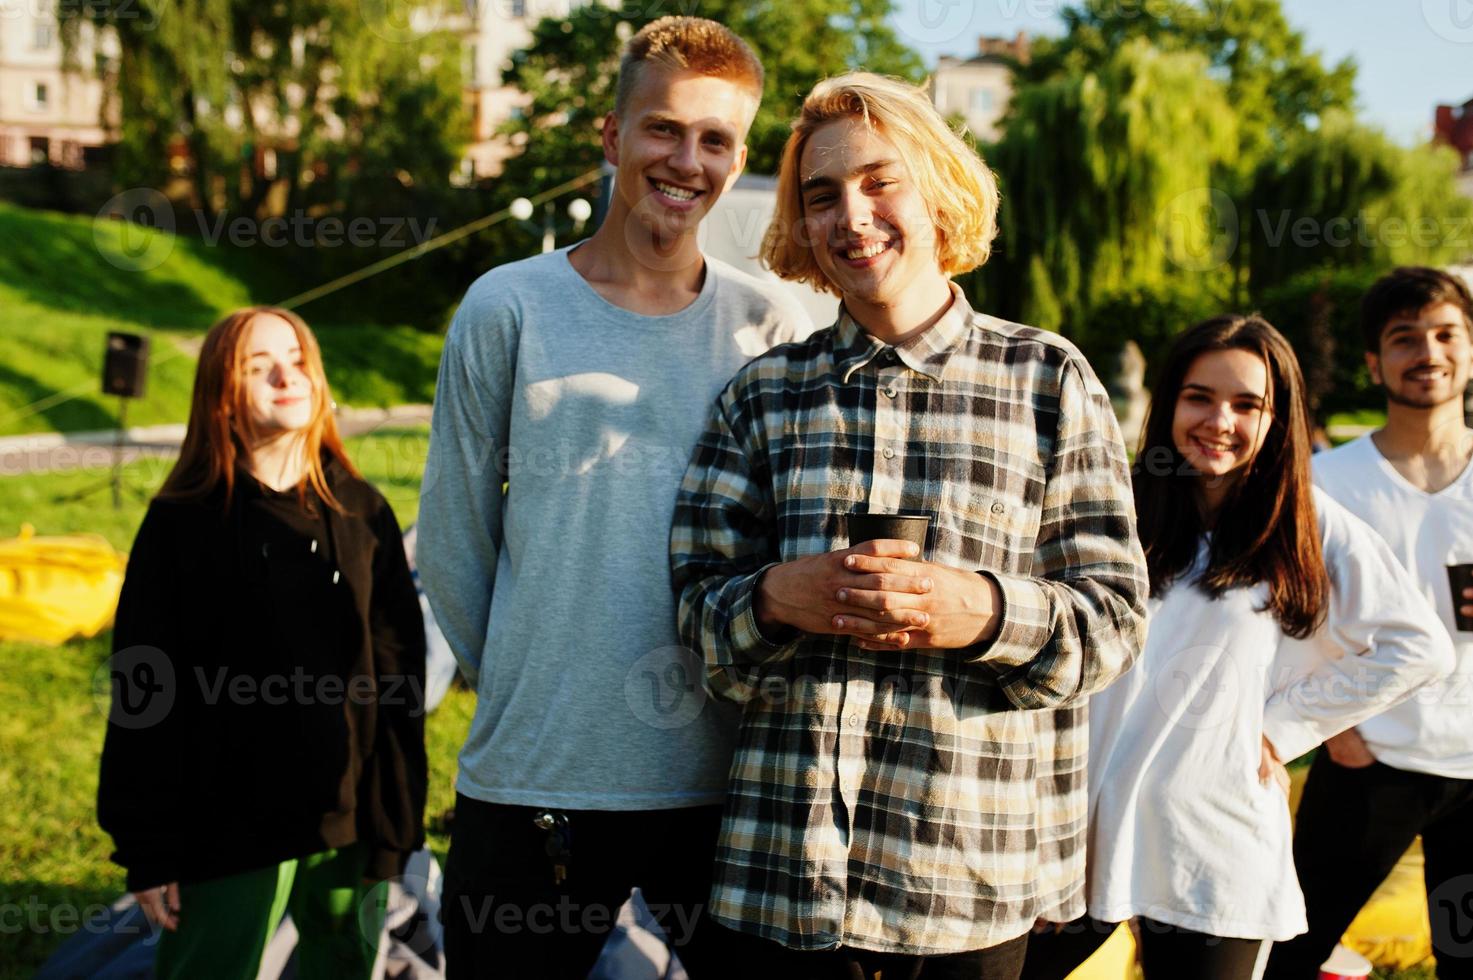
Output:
(559, 846)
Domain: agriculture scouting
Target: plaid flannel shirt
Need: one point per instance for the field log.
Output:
(922, 801)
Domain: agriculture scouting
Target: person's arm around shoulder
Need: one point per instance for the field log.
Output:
(398, 774)
(1380, 642)
(1079, 620)
(460, 510)
(141, 783)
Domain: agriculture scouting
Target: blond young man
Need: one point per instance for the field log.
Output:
(580, 378)
(908, 790)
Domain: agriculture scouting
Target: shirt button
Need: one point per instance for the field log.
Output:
(997, 507)
(888, 453)
(888, 392)
(853, 721)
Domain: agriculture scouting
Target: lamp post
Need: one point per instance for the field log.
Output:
(579, 212)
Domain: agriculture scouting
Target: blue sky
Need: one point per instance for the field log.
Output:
(1412, 54)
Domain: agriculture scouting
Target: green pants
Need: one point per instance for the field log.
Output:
(224, 924)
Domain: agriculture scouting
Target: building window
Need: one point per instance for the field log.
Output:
(43, 35)
(40, 96)
(983, 100)
(40, 151)
(519, 8)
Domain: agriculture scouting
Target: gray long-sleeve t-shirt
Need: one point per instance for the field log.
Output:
(555, 596)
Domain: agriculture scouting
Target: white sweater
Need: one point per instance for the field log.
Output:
(1181, 829)
(1433, 731)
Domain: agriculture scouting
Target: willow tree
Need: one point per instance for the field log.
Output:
(343, 92)
(1108, 181)
(1346, 196)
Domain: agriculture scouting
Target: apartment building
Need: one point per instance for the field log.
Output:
(979, 88)
(493, 30)
(49, 114)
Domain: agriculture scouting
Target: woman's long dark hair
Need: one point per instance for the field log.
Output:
(1266, 530)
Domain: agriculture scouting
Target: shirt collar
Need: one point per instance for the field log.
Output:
(925, 354)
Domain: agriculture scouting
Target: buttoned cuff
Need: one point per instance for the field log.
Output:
(1023, 622)
(748, 642)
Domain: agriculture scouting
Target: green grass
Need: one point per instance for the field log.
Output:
(54, 869)
(65, 281)
(1374, 417)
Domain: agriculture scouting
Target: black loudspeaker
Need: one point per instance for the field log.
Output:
(125, 368)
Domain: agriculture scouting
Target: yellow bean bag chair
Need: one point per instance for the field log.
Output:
(55, 588)
(1391, 931)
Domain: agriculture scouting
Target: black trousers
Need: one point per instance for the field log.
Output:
(1353, 826)
(763, 959)
(1167, 952)
(506, 915)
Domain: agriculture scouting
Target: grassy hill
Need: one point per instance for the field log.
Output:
(65, 281)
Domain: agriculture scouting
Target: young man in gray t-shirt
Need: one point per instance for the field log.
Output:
(580, 378)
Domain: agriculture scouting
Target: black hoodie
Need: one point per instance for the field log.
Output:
(267, 687)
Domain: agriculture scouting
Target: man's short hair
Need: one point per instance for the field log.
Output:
(687, 44)
(958, 188)
(1409, 290)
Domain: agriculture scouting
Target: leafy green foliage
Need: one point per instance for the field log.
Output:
(1177, 159)
(570, 68)
(349, 100)
(1103, 176)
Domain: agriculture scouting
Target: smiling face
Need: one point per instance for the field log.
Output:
(677, 146)
(1423, 359)
(279, 390)
(1222, 414)
(864, 217)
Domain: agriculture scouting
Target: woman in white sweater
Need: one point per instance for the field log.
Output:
(1189, 819)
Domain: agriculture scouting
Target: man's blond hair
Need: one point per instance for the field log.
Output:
(958, 188)
(688, 44)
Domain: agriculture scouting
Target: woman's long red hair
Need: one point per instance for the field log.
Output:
(220, 431)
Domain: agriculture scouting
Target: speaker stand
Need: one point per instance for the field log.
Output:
(114, 482)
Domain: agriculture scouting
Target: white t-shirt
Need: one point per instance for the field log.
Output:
(1432, 732)
(1181, 829)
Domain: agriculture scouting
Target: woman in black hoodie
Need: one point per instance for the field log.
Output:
(265, 747)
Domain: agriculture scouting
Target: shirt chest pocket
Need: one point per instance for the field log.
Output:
(993, 525)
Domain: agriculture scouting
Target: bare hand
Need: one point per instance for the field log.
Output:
(802, 594)
(1270, 766)
(161, 905)
(958, 610)
(1348, 749)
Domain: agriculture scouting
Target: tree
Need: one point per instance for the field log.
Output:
(569, 70)
(340, 93)
(1345, 196)
(1278, 90)
(1276, 86)
(1107, 180)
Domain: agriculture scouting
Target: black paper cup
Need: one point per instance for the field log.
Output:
(1460, 577)
(898, 527)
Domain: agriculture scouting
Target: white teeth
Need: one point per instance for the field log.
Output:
(670, 190)
(868, 252)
